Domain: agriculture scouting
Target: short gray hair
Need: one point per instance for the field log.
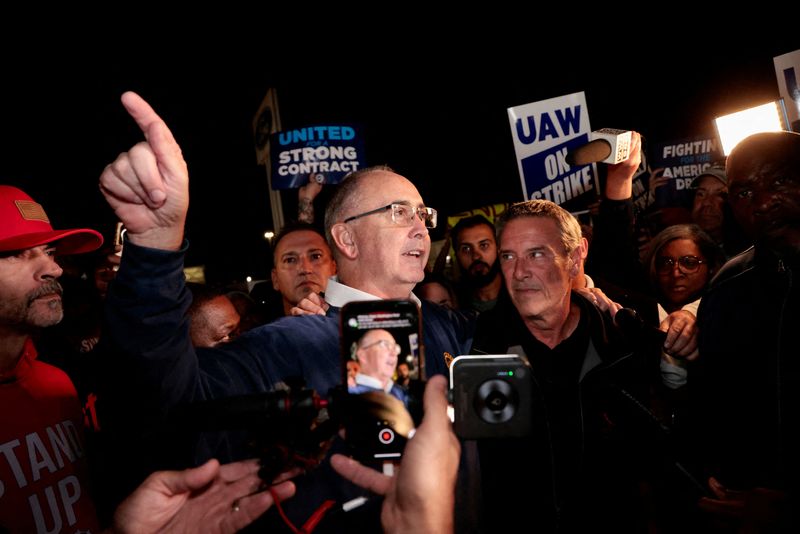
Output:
(346, 197)
(568, 227)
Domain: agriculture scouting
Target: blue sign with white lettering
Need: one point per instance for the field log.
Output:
(543, 133)
(678, 163)
(328, 152)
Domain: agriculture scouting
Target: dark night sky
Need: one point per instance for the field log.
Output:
(438, 118)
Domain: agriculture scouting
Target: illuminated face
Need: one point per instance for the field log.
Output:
(391, 256)
(537, 271)
(30, 296)
(709, 199)
(377, 354)
(477, 250)
(303, 264)
(214, 322)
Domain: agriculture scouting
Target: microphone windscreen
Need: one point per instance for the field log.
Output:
(591, 152)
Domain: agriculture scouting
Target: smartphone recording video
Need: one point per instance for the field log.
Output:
(382, 368)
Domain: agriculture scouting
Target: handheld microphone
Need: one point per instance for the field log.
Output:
(607, 146)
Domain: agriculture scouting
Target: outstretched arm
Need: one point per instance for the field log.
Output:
(148, 186)
(209, 498)
(145, 328)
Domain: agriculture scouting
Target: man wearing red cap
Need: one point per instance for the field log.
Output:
(43, 471)
(42, 457)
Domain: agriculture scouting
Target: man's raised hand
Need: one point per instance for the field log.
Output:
(148, 186)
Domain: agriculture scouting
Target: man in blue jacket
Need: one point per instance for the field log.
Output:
(377, 226)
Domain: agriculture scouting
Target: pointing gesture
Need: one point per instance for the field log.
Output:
(148, 186)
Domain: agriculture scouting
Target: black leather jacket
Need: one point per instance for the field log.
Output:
(580, 468)
(746, 392)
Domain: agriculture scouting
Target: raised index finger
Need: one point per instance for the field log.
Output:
(140, 111)
(158, 135)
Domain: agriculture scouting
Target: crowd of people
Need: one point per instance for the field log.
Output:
(632, 431)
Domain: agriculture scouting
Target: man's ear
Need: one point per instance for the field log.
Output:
(584, 248)
(577, 258)
(344, 241)
(275, 280)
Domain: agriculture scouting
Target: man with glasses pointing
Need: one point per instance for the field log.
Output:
(377, 226)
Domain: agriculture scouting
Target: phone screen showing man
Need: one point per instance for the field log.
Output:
(377, 338)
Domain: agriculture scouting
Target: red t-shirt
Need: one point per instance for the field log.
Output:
(43, 470)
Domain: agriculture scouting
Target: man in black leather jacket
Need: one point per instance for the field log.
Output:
(580, 468)
(747, 394)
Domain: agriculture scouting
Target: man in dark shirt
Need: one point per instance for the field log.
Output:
(580, 466)
(747, 393)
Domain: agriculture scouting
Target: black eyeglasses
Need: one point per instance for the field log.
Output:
(403, 215)
(686, 264)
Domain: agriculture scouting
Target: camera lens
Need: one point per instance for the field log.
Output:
(496, 401)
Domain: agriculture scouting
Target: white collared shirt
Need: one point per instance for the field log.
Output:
(674, 376)
(372, 382)
(337, 294)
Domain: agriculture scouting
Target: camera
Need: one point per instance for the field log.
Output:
(491, 396)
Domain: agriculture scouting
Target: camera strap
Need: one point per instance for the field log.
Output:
(312, 521)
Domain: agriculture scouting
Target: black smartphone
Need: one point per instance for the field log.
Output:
(382, 368)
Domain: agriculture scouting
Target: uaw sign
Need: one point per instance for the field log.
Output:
(543, 133)
(329, 152)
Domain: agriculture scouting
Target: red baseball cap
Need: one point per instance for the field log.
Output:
(24, 224)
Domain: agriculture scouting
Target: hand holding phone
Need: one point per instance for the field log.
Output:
(376, 336)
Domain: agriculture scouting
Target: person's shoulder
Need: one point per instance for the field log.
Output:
(734, 267)
(740, 266)
(55, 378)
(309, 327)
(436, 312)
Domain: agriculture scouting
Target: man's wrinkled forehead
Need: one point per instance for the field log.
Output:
(537, 227)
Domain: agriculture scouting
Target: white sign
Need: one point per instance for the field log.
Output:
(543, 133)
(787, 70)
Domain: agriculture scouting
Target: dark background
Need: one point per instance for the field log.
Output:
(438, 118)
